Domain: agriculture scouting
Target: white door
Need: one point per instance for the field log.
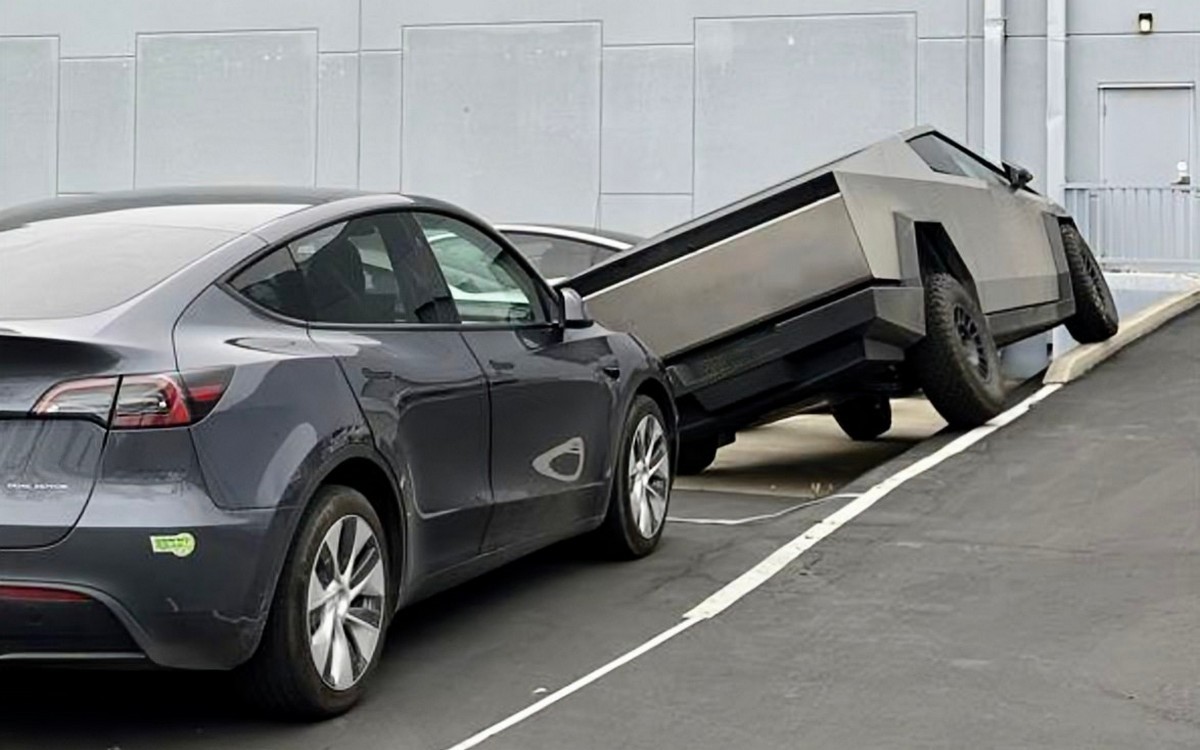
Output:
(1145, 133)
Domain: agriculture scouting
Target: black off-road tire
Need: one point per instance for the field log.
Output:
(1095, 317)
(281, 676)
(695, 456)
(956, 363)
(619, 536)
(864, 417)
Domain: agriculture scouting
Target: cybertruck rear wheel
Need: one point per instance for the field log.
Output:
(330, 613)
(1095, 317)
(696, 455)
(637, 511)
(957, 364)
(864, 417)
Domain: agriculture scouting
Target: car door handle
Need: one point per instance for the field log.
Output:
(611, 369)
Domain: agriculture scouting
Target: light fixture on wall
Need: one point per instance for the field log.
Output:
(1145, 23)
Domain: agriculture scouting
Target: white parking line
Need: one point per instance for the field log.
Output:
(762, 517)
(728, 595)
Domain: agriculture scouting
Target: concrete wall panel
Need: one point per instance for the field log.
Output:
(644, 215)
(516, 135)
(942, 85)
(226, 108)
(379, 139)
(28, 118)
(777, 96)
(1025, 106)
(337, 120)
(646, 126)
(95, 135)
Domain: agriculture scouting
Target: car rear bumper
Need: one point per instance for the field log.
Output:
(201, 610)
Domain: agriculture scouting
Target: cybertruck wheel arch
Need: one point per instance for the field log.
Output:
(926, 249)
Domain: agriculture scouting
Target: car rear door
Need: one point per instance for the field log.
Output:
(552, 389)
(378, 304)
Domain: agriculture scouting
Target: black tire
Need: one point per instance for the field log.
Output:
(956, 363)
(695, 456)
(621, 534)
(864, 417)
(282, 676)
(1095, 317)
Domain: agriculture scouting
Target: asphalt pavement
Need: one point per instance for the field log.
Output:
(1039, 590)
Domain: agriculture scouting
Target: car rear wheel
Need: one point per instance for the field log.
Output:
(864, 417)
(1095, 317)
(325, 631)
(637, 511)
(956, 363)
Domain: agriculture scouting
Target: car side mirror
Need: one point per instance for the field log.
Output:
(1018, 176)
(574, 310)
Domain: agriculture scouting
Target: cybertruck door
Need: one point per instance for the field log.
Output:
(552, 389)
(378, 305)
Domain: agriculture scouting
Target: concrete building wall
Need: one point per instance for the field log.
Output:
(627, 114)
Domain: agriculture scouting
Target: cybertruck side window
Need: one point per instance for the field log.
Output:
(943, 156)
(487, 284)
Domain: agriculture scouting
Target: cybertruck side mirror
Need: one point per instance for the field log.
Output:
(574, 310)
(1018, 176)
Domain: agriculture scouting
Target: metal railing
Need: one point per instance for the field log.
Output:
(1143, 228)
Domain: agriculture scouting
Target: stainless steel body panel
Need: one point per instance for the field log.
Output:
(738, 281)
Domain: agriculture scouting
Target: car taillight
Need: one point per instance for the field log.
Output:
(138, 401)
(39, 594)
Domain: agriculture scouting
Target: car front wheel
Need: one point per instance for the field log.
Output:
(641, 494)
(1095, 317)
(325, 631)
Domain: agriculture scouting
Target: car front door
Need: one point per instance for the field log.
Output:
(378, 303)
(552, 388)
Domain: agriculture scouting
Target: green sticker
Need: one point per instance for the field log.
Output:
(180, 545)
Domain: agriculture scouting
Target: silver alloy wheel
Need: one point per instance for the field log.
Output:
(649, 475)
(346, 597)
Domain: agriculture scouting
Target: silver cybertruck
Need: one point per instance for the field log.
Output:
(901, 266)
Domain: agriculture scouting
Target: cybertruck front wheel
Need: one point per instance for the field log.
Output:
(325, 631)
(637, 511)
(957, 364)
(864, 417)
(1095, 317)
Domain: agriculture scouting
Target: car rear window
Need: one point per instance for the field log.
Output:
(67, 268)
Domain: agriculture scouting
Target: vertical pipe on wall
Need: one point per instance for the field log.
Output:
(1056, 99)
(993, 79)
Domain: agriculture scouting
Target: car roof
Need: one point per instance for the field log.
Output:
(234, 209)
(586, 234)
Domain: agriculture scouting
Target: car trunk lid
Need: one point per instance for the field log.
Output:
(48, 464)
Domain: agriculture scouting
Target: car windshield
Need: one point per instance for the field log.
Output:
(558, 257)
(70, 267)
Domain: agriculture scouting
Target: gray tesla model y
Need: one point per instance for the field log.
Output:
(240, 428)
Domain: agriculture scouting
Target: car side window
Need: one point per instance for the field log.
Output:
(943, 156)
(275, 283)
(487, 284)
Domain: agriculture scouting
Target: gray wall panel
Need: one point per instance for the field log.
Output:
(379, 139)
(942, 85)
(646, 126)
(521, 118)
(777, 96)
(28, 118)
(337, 120)
(95, 134)
(644, 215)
(1025, 106)
(226, 108)
(1120, 17)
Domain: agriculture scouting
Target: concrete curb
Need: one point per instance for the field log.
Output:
(1084, 357)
